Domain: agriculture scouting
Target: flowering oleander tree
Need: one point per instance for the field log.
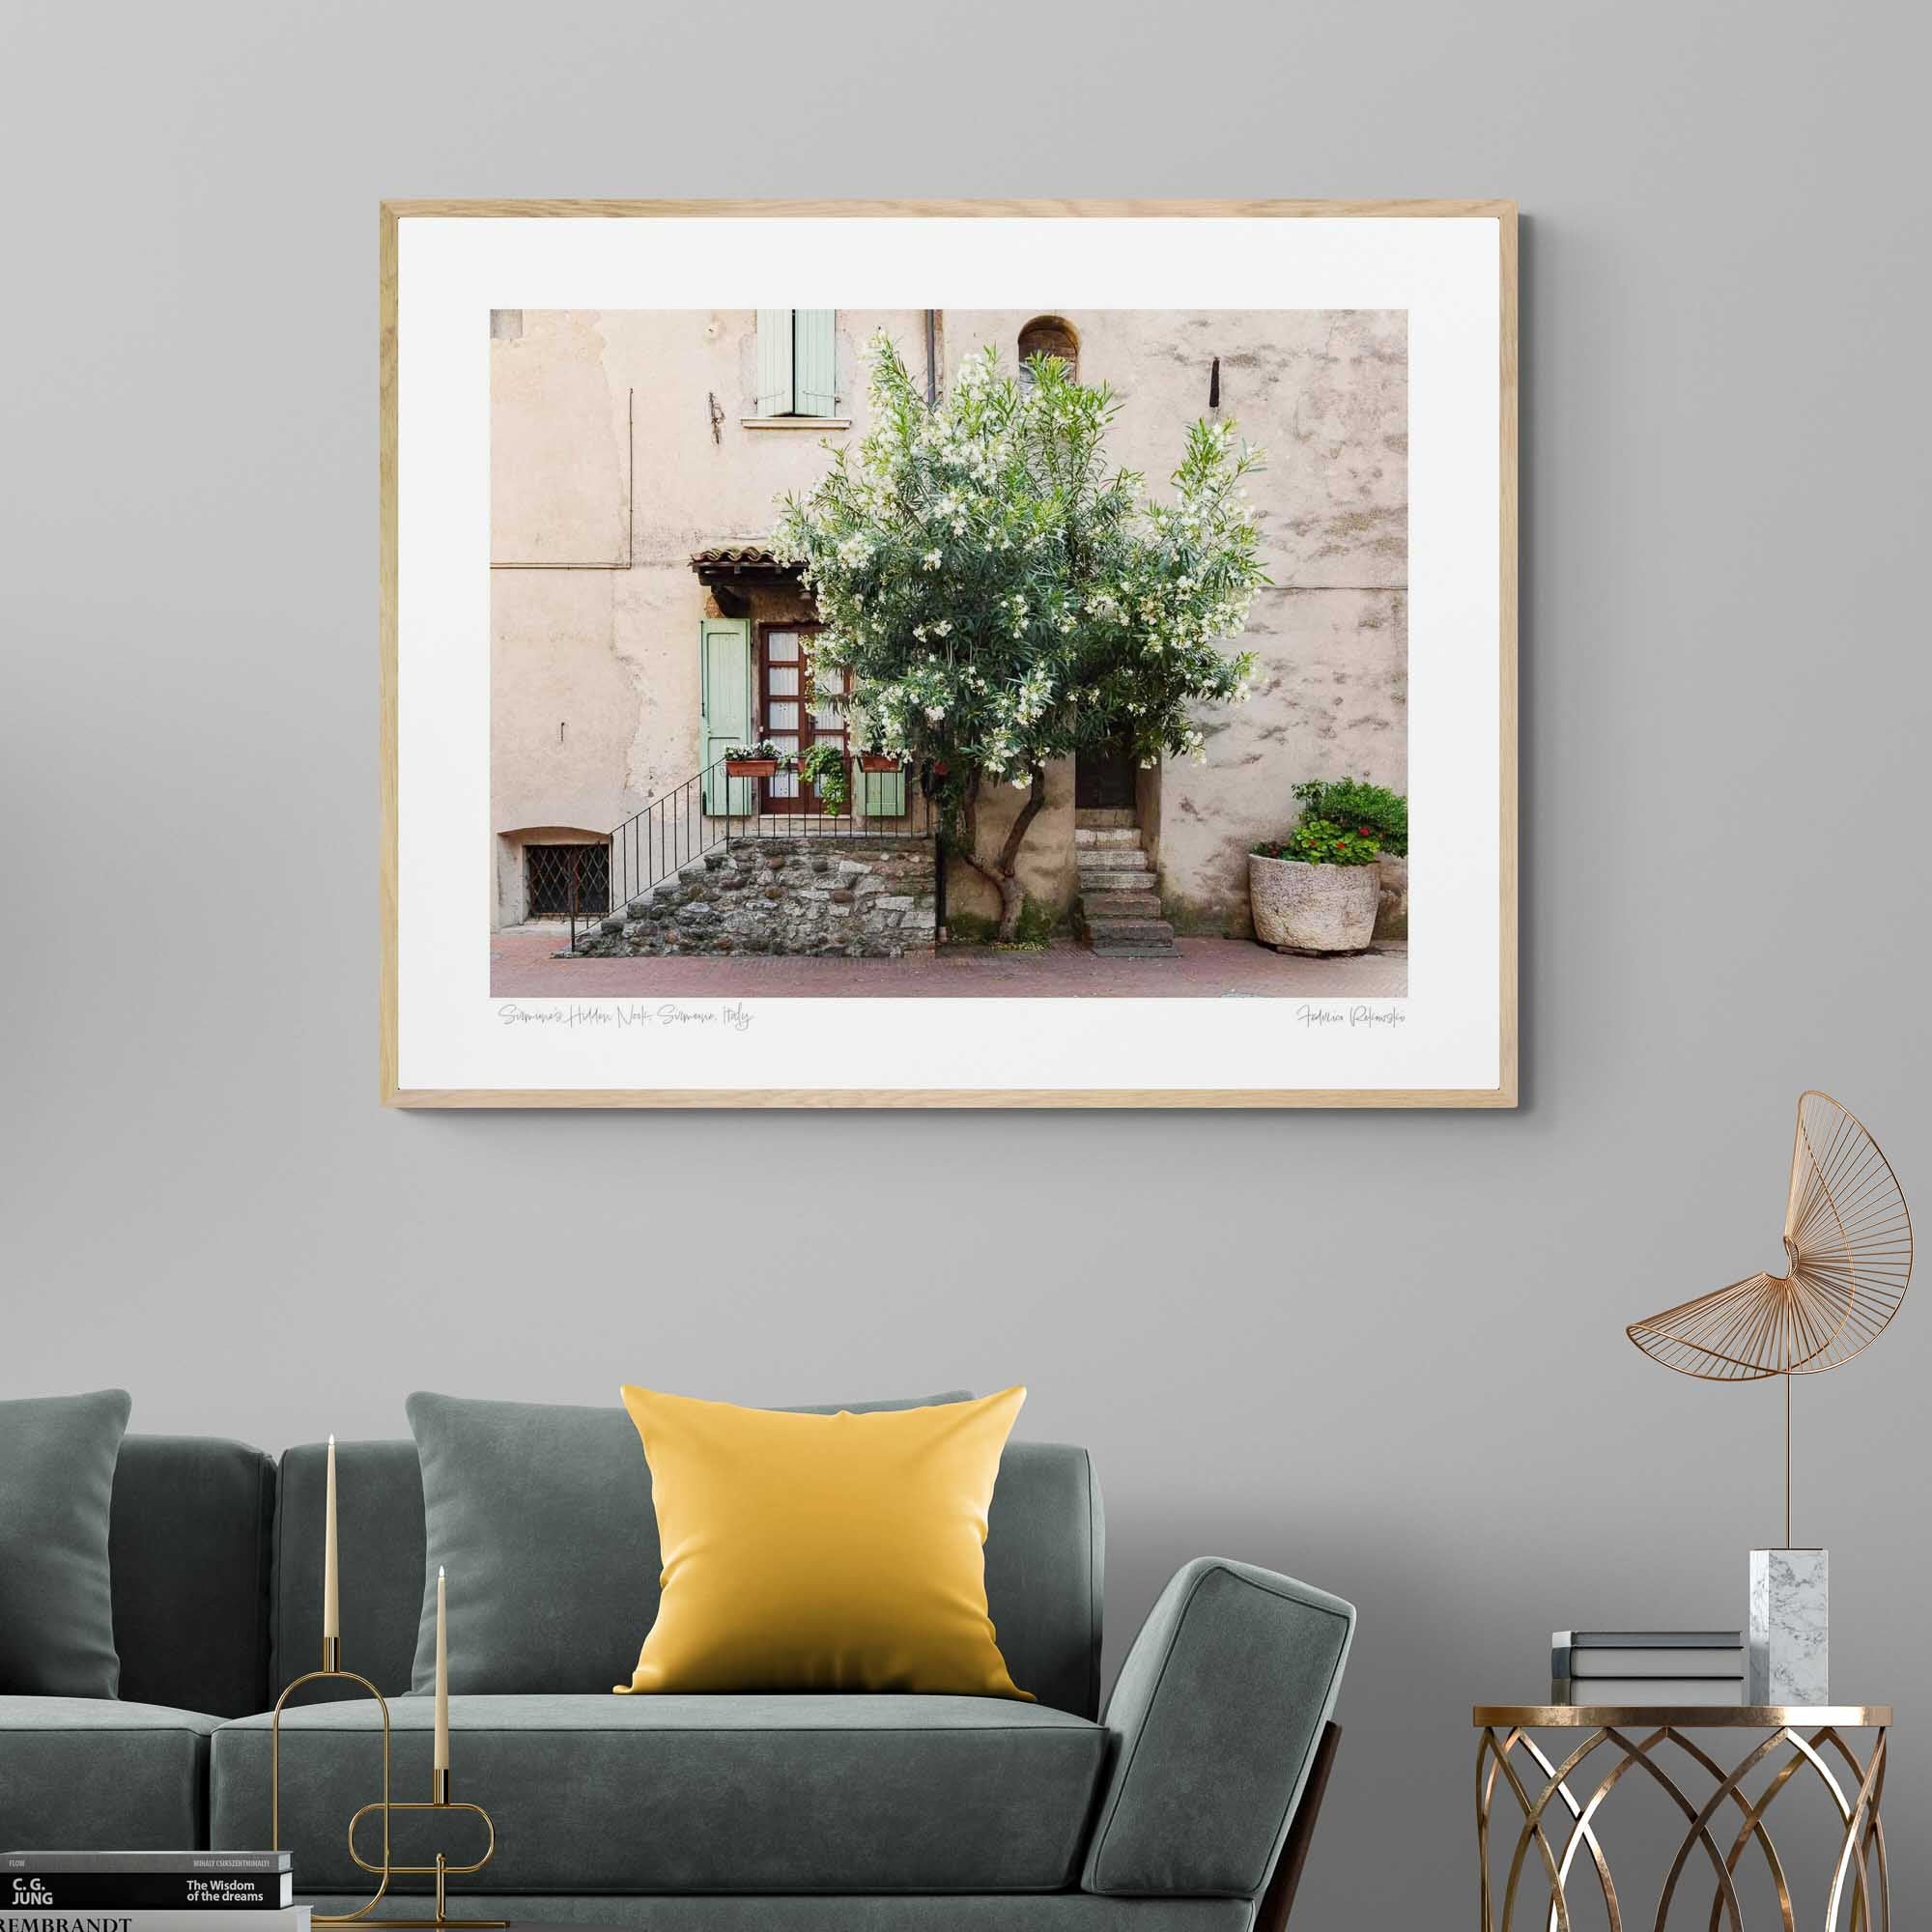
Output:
(999, 598)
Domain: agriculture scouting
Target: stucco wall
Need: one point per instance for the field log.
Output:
(1325, 393)
(594, 696)
(622, 435)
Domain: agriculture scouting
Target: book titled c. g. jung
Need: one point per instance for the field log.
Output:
(35, 1884)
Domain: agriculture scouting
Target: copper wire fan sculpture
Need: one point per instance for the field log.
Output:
(1848, 1239)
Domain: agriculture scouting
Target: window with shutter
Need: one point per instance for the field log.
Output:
(725, 709)
(797, 373)
(815, 387)
(882, 794)
(775, 364)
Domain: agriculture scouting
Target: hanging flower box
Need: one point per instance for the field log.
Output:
(754, 761)
(877, 762)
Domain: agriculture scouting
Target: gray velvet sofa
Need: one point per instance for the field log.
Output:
(1185, 1804)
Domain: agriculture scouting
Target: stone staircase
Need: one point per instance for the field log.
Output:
(1117, 911)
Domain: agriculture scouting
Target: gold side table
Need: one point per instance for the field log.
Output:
(1528, 1851)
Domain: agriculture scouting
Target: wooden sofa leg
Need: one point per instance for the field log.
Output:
(1276, 1902)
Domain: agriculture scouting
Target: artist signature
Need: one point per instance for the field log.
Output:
(1359, 1014)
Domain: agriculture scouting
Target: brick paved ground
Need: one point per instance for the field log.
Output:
(521, 966)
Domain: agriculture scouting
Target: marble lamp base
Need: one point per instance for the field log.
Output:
(1787, 1656)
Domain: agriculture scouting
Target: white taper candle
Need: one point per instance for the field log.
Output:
(332, 1588)
(442, 1675)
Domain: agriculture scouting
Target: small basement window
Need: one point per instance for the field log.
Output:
(561, 879)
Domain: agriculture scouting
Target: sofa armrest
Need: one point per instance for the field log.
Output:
(1216, 1719)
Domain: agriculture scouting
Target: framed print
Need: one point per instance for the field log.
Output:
(949, 654)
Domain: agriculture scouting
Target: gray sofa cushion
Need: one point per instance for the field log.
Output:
(191, 1541)
(380, 1512)
(760, 1794)
(1046, 1562)
(542, 1514)
(92, 1773)
(1214, 1720)
(57, 1456)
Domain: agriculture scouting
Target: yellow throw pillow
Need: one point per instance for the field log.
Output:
(823, 1553)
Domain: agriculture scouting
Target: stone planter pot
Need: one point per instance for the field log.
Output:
(750, 768)
(1319, 909)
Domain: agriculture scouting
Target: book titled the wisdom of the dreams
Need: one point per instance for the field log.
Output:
(158, 1884)
(146, 1882)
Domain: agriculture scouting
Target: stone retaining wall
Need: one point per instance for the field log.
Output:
(865, 898)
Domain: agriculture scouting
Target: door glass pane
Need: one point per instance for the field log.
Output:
(784, 715)
(784, 680)
(784, 785)
(781, 646)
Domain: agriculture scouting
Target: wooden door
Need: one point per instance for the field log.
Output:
(1104, 778)
(792, 723)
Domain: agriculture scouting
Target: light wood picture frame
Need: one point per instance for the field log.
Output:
(450, 269)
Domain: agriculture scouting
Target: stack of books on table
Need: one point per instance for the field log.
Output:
(1646, 1667)
(146, 1891)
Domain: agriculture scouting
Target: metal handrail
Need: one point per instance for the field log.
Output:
(676, 829)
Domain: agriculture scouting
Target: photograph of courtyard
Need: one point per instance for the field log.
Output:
(913, 653)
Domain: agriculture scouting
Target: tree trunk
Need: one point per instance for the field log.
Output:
(1002, 874)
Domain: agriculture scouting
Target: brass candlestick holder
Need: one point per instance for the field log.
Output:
(331, 1672)
(439, 1799)
(442, 1870)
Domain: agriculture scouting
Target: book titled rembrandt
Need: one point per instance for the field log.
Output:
(106, 1918)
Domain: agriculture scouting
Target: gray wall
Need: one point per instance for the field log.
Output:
(1382, 1352)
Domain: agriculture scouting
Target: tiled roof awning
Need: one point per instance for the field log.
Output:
(727, 562)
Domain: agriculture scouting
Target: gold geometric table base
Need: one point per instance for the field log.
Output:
(1556, 1822)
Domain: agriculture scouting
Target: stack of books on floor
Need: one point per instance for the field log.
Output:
(146, 1891)
(1646, 1667)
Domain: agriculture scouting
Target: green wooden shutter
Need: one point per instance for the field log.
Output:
(883, 794)
(814, 382)
(776, 390)
(725, 709)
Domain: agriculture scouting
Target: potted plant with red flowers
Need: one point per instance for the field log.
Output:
(754, 761)
(1318, 889)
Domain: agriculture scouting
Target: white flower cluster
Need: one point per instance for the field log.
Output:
(976, 597)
